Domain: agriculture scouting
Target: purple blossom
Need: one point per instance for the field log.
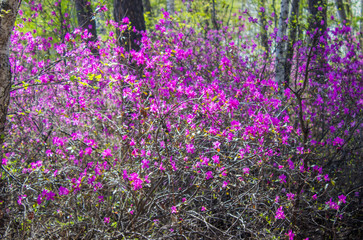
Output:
(107, 153)
(63, 191)
(280, 213)
(282, 178)
(332, 204)
(291, 235)
(174, 209)
(190, 148)
(342, 198)
(21, 198)
(290, 196)
(208, 175)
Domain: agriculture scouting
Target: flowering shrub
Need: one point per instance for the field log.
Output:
(188, 137)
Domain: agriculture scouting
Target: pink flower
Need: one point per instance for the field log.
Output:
(161, 167)
(246, 170)
(326, 178)
(39, 199)
(50, 195)
(225, 183)
(145, 163)
(203, 209)
(190, 148)
(107, 153)
(135, 181)
(63, 191)
(290, 234)
(342, 198)
(216, 145)
(290, 196)
(106, 220)
(338, 141)
(174, 209)
(215, 159)
(314, 197)
(88, 151)
(21, 197)
(280, 213)
(4, 161)
(208, 175)
(282, 178)
(126, 20)
(332, 205)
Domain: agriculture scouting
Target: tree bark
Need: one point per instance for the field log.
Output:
(8, 12)
(86, 21)
(263, 23)
(281, 44)
(214, 17)
(317, 9)
(318, 27)
(170, 6)
(147, 7)
(294, 20)
(341, 11)
(85, 17)
(134, 11)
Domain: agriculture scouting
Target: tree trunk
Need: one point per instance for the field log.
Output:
(170, 6)
(214, 17)
(133, 10)
(281, 44)
(341, 11)
(8, 11)
(317, 26)
(294, 19)
(86, 21)
(147, 6)
(263, 23)
(317, 9)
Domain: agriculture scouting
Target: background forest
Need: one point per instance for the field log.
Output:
(181, 119)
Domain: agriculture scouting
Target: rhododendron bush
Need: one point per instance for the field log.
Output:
(188, 138)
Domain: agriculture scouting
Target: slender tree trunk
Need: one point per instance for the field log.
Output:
(263, 23)
(86, 21)
(341, 11)
(281, 44)
(294, 20)
(147, 7)
(275, 14)
(317, 9)
(85, 17)
(317, 26)
(8, 11)
(134, 11)
(214, 17)
(170, 6)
